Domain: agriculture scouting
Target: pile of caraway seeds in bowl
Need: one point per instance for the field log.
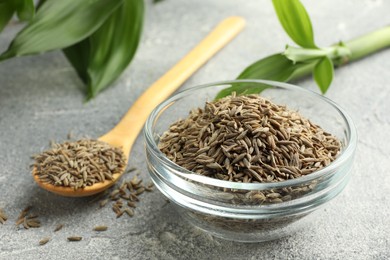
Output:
(249, 139)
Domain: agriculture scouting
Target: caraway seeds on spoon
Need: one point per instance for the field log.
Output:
(79, 164)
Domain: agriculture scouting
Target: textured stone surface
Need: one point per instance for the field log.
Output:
(40, 99)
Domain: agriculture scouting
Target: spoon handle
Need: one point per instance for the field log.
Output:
(127, 130)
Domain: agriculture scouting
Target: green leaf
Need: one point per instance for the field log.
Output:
(323, 73)
(59, 24)
(295, 21)
(25, 9)
(78, 56)
(7, 9)
(40, 3)
(275, 67)
(102, 57)
(114, 44)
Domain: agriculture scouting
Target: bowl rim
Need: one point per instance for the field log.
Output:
(346, 153)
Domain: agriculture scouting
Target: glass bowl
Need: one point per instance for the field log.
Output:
(250, 212)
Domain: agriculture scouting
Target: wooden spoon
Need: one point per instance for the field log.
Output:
(124, 134)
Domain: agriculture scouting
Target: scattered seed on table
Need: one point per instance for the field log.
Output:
(3, 216)
(19, 221)
(33, 223)
(28, 220)
(25, 225)
(103, 203)
(135, 181)
(44, 241)
(131, 169)
(58, 227)
(120, 213)
(74, 239)
(139, 191)
(131, 204)
(23, 214)
(129, 212)
(148, 189)
(100, 228)
(134, 197)
(128, 191)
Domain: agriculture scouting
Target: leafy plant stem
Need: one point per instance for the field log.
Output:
(369, 43)
(303, 71)
(306, 59)
(360, 47)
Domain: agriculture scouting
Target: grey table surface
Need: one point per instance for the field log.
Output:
(40, 99)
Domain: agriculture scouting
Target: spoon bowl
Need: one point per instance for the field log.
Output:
(124, 134)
